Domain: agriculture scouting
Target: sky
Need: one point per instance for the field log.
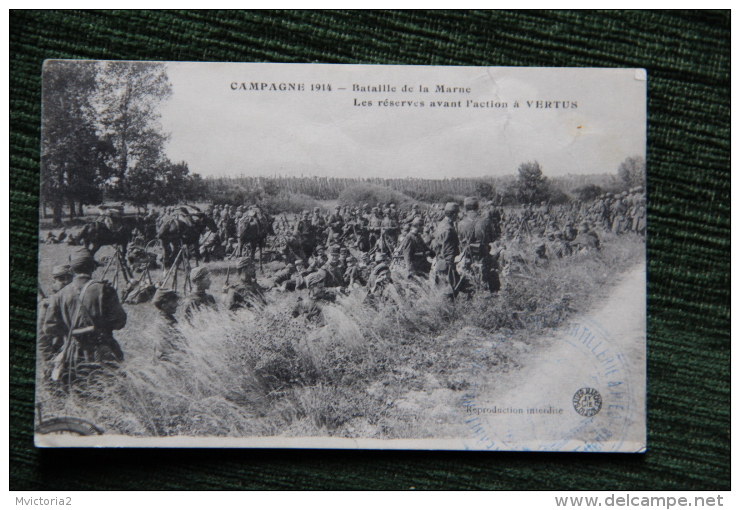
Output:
(222, 130)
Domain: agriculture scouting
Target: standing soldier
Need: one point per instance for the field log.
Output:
(374, 226)
(85, 313)
(415, 251)
(476, 235)
(199, 298)
(389, 229)
(335, 221)
(446, 245)
(318, 225)
(639, 215)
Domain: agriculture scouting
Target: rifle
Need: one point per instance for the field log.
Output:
(110, 261)
(174, 265)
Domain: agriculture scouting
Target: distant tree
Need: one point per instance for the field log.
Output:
(140, 187)
(127, 101)
(588, 192)
(532, 187)
(632, 171)
(73, 154)
(484, 190)
(271, 187)
(196, 188)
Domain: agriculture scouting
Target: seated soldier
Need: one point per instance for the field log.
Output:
(199, 298)
(247, 293)
(170, 339)
(311, 305)
(541, 259)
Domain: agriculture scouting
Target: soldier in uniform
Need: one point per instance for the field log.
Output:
(293, 277)
(476, 234)
(335, 221)
(415, 251)
(353, 275)
(586, 239)
(380, 276)
(166, 301)
(334, 274)
(199, 298)
(374, 223)
(541, 259)
(49, 345)
(85, 313)
(247, 293)
(311, 305)
(446, 245)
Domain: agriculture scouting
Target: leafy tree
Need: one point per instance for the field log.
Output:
(73, 155)
(632, 171)
(127, 101)
(588, 192)
(484, 190)
(532, 187)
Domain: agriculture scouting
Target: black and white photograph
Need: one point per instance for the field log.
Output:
(342, 256)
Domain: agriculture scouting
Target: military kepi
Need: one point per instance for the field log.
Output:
(198, 273)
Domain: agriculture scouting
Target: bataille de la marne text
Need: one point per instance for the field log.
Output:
(385, 88)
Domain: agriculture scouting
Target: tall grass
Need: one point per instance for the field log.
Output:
(386, 369)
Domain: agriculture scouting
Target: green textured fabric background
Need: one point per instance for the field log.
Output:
(687, 55)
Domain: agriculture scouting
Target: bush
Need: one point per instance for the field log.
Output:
(268, 373)
(373, 194)
(289, 203)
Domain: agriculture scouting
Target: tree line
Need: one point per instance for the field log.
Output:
(528, 186)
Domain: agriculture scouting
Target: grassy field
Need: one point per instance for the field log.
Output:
(398, 369)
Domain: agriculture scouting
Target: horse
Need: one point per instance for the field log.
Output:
(253, 230)
(176, 232)
(96, 234)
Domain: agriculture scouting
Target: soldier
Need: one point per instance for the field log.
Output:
(312, 305)
(292, 277)
(586, 239)
(199, 298)
(353, 275)
(318, 259)
(415, 252)
(380, 277)
(108, 216)
(446, 245)
(639, 212)
(541, 259)
(334, 274)
(166, 301)
(389, 229)
(317, 220)
(476, 234)
(335, 221)
(85, 313)
(374, 224)
(247, 293)
(619, 215)
(49, 345)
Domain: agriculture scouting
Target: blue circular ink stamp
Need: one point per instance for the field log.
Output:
(574, 391)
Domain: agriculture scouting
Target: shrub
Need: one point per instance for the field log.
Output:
(372, 194)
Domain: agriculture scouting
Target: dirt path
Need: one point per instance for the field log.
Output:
(605, 350)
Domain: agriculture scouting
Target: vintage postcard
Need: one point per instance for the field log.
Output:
(342, 256)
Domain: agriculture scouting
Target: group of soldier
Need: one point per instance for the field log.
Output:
(459, 250)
